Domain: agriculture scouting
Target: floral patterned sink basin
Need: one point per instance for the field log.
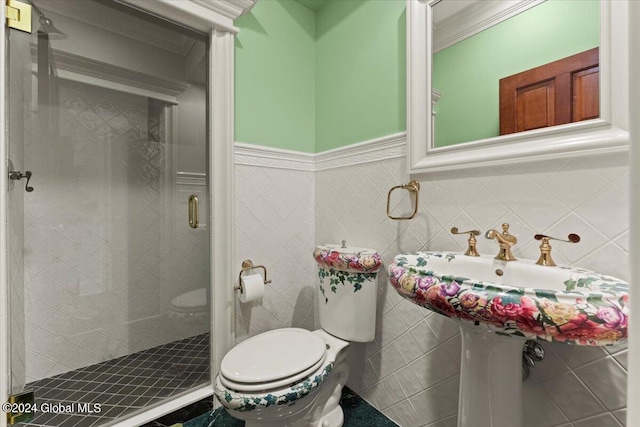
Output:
(516, 298)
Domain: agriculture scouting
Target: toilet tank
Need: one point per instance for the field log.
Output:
(347, 290)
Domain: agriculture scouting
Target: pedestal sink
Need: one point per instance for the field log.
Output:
(499, 305)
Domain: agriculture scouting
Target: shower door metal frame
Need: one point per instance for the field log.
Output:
(5, 369)
(215, 18)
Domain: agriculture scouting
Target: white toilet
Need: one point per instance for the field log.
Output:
(294, 377)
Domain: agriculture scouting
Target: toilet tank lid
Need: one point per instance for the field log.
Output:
(349, 258)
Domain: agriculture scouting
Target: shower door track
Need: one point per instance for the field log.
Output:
(216, 20)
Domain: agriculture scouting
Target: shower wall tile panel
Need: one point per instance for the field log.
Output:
(411, 370)
(274, 227)
(106, 247)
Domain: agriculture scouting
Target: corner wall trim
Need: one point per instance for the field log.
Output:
(373, 150)
(386, 147)
(257, 155)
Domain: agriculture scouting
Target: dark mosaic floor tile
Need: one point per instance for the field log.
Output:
(88, 421)
(113, 399)
(114, 412)
(127, 400)
(72, 420)
(140, 402)
(89, 386)
(90, 397)
(102, 388)
(123, 385)
(56, 419)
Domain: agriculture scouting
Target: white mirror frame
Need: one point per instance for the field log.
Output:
(607, 134)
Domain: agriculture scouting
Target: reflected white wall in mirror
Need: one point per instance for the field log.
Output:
(467, 50)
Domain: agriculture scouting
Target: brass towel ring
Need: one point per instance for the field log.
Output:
(413, 187)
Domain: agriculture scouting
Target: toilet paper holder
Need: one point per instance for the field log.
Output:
(247, 264)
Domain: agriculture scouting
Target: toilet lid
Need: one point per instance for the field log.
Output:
(273, 355)
(284, 382)
(192, 299)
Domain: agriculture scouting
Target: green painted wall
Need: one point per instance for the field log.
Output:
(468, 72)
(360, 71)
(275, 76)
(312, 82)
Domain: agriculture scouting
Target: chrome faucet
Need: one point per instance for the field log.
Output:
(505, 240)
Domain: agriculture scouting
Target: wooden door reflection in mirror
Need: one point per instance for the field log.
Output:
(560, 92)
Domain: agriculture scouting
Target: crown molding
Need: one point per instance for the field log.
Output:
(387, 147)
(108, 19)
(78, 68)
(230, 8)
(475, 18)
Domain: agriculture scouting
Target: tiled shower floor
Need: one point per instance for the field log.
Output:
(124, 385)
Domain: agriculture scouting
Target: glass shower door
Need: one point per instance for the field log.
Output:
(109, 277)
(19, 96)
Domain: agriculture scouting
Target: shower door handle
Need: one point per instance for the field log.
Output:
(17, 176)
(193, 211)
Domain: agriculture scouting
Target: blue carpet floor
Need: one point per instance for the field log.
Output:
(357, 413)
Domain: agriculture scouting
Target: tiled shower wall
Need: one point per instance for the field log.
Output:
(104, 250)
(411, 371)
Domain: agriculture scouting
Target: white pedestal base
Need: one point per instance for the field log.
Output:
(490, 379)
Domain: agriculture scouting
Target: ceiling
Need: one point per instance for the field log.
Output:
(314, 5)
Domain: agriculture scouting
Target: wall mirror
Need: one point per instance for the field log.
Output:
(506, 81)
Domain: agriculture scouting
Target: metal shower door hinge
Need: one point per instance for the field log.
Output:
(18, 15)
(20, 408)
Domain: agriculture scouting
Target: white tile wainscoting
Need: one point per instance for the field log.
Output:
(274, 227)
(288, 202)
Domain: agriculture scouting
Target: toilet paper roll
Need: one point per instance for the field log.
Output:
(252, 287)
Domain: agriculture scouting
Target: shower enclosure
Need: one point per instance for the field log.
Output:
(107, 246)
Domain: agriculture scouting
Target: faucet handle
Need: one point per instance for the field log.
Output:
(571, 238)
(545, 248)
(471, 249)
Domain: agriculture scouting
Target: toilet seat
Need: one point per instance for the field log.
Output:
(253, 387)
(277, 356)
(191, 302)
